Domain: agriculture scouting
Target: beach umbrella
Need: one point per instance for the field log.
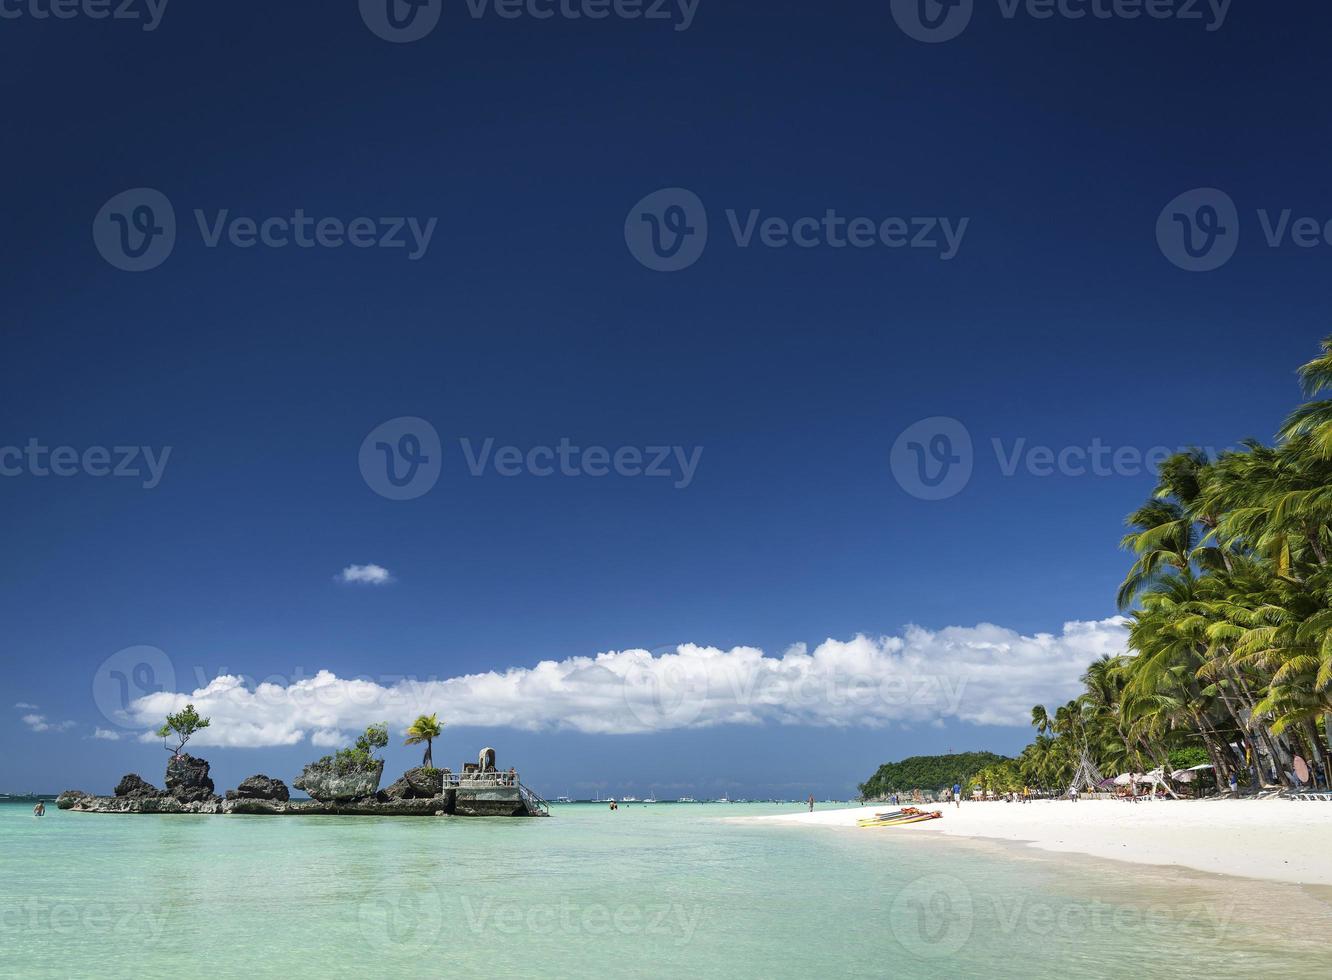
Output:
(1123, 779)
(1190, 774)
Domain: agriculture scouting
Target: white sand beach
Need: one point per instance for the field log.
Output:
(1276, 840)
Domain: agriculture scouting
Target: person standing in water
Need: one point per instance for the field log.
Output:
(39, 810)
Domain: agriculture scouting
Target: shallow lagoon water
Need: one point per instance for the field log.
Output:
(634, 893)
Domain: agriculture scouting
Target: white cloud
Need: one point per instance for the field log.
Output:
(23, 705)
(105, 735)
(366, 575)
(38, 723)
(983, 674)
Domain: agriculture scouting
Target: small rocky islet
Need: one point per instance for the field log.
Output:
(422, 791)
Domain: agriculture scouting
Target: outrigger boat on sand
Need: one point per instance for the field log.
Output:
(888, 815)
(904, 818)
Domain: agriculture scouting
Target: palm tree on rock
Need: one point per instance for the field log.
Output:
(425, 729)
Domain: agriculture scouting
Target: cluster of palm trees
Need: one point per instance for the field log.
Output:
(1229, 603)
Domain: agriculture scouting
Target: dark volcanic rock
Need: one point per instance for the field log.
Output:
(417, 784)
(368, 807)
(133, 786)
(187, 779)
(69, 797)
(260, 788)
(325, 784)
(162, 803)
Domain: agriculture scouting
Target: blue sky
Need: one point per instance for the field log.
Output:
(1059, 322)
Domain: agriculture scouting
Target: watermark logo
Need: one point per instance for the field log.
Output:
(402, 919)
(150, 14)
(1199, 230)
(401, 459)
(667, 230)
(401, 21)
(676, 463)
(933, 458)
(146, 464)
(127, 675)
(136, 230)
(671, 922)
(662, 692)
(61, 921)
(933, 21)
(933, 916)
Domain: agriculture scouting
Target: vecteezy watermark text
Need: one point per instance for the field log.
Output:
(149, 12)
(1199, 231)
(71, 920)
(404, 21)
(667, 231)
(934, 459)
(662, 920)
(935, 916)
(136, 230)
(935, 21)
(402, 459)
(567, 459)
(35, 459)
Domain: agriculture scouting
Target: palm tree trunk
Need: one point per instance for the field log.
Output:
(1248, 741)
(1220, 764)
(1274, 747)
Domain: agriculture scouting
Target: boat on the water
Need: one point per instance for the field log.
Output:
(629, 799)
(650, 798)
(686, 799)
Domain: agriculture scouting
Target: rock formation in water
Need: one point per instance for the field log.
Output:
(260, 787)
(133, 786)
(162, 803)
(71, 796)
(418, 784)
(363, 807)
(325, 783)
(187, 780)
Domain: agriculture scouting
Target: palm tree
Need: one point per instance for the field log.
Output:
(425, 729)
(1229, 602)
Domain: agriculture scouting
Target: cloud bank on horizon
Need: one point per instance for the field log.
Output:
(983, 675)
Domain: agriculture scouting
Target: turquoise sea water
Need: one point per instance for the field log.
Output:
(641, 892)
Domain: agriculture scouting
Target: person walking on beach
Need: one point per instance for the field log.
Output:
(957, 795)
(811, 802)
(1234, 784)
